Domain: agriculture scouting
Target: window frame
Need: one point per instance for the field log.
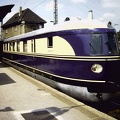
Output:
(96, 44)
(50, 42)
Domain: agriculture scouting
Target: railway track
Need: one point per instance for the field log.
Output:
(115, 112)
(111, 108)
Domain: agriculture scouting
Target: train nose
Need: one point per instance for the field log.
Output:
(97, 68)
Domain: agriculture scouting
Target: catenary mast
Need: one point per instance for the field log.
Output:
(55, 12)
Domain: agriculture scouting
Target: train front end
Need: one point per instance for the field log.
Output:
(92, 74)
(105, 64)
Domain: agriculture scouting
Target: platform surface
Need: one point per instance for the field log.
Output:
(24, 98)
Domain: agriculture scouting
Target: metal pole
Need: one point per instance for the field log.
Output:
(1, 30)
(55, 12)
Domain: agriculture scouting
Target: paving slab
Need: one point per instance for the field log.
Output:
(24, 98)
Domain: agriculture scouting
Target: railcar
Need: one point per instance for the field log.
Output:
(78, 57)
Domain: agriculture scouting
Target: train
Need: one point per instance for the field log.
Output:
(79, 57)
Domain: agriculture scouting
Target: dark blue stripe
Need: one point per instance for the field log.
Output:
(70, 68)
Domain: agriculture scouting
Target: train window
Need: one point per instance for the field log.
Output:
(18, 46)
(13, 46)
(6, 46)
(3, 46)
(112, 46)
(16, 28)
(33, 45)
(6, 31)
(10, 46)
(24, 46)
(50, 42)
(96, 45)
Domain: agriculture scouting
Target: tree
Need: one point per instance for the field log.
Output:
(118, 33)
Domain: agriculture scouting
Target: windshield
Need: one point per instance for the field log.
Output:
(96, 45)
(112, 45)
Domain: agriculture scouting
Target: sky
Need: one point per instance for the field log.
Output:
(108, 10)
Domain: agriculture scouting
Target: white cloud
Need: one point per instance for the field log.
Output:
(77, 1)
(109, 15)
(60, 6)
(110, 3)
(50, 6)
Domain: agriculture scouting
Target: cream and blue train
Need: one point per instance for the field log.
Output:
(80, 58)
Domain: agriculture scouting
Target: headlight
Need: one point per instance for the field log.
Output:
(96, 68)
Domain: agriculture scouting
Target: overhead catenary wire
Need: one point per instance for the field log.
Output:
(80, 2)
(94, 11)
(26, 1)
(39, 4)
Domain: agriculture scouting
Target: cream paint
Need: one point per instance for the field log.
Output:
(41, 45)
(60, 46)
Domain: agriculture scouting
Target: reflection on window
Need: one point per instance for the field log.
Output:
(96, 45)
(112, 47)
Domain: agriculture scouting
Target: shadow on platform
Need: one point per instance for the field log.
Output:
(7, 109)
(50, 113)
(5, 79)
(2, 65)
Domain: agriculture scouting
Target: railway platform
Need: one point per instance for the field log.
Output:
(24, 98)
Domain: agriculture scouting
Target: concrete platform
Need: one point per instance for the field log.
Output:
(24, 98)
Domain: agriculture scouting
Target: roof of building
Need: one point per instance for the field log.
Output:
(4, 10)
(26, 16)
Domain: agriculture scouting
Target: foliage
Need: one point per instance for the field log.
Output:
(118, 33)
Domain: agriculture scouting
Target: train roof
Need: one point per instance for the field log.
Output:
(67, 25)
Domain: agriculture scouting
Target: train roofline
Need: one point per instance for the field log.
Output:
(68, 25)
